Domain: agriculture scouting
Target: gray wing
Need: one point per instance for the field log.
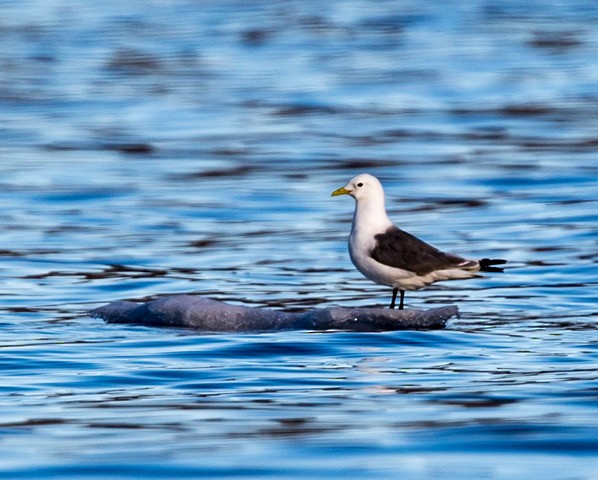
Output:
(400, 249)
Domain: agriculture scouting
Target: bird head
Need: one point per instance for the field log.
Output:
(361, 186)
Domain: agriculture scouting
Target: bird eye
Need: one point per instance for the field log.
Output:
(360, 184)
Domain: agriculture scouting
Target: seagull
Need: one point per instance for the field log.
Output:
(390, 256)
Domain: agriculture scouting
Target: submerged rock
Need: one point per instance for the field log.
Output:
(215, 316)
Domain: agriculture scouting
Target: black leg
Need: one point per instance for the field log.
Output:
(394, 297)
(402, 298)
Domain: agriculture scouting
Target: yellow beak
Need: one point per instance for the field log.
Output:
(340, 191)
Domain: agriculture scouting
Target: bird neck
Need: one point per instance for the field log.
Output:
(370, 214)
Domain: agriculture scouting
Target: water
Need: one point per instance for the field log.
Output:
(151, 148)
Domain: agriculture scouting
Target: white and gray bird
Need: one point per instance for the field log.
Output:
(390, 256)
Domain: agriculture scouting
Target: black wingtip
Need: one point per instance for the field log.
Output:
(486, 264)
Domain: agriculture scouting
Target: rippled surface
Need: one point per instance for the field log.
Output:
(170, 147)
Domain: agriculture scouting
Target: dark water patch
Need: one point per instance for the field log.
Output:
(34, 422)
(114, 271)
(434, 204)
(229, 152)
(546, 248)
(576, 145)
(527, 110)
(296, 176)
(273, 350)
(256, 37)
(355, 164)
(205, 243)
(589, 256)
(133, 148)
(294, 430)
(306, 110)
(524, 110)
(120, 426)
(493, 134)
(21, 309)
(519, 166)
(464, 203)
(416, 390)
(474, 401)
(370, 140)
(523, 436)
(67, 229)
(412, 134)
(134, 62)
(555, 41)
(262, 233)
(63, 147)
(235, 171)
(11, 253)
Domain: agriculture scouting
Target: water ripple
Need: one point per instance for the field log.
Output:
(165, 148)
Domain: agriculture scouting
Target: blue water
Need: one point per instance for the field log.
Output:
(151, 148)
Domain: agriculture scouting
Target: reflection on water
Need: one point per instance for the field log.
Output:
(171, 147)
